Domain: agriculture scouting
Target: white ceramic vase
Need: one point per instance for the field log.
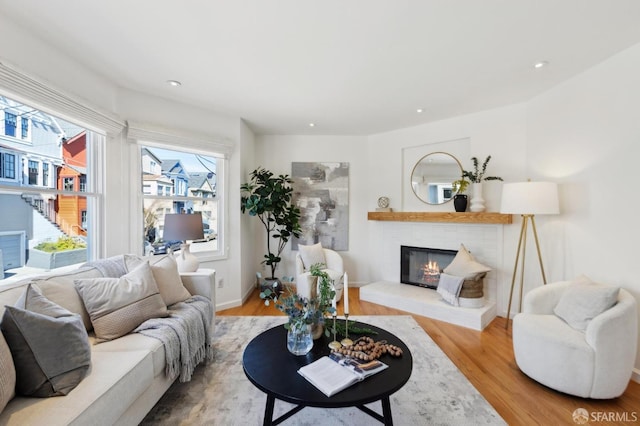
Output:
(477, 202)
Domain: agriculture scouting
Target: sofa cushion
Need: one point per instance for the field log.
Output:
(118, 305)
(165, 272)
(136, 342)
(7, 374)
(116, 380)
(583, 301)
(311, 255)
(465, 265)
(49, 345)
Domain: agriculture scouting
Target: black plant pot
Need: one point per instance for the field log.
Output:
(460, 202)
(274, 284)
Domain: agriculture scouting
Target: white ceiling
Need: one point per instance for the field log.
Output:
(349, 66)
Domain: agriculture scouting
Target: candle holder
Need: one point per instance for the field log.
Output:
(346, 341)
(335, 344)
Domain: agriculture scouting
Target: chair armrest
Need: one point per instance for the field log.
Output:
(299, 265)
(201, 282)
(542, 300)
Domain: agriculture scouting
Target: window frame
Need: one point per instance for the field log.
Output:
(221, 179)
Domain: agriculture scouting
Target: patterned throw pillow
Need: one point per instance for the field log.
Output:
(7, 374)
(49, 345)
(118, 305)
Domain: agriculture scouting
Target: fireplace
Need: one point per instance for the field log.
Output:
(422, 266)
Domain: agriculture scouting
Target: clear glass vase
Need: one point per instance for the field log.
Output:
(299, 340)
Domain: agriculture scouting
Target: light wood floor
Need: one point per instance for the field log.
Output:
(486, 359)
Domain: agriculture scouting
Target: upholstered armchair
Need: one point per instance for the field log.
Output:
(596, 362)
(317, 254)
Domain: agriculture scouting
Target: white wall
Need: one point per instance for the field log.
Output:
(585, 134)
(276, 153)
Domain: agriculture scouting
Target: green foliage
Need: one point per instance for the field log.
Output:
(302, 310)
(460, 185)
(478, 174)
(269, 199)
(63, 243)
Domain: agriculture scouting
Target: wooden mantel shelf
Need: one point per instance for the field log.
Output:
(451, 217)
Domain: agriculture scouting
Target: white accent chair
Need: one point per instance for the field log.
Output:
(334, 267)
(596, 363)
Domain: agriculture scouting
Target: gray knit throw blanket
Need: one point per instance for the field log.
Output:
(186, 335)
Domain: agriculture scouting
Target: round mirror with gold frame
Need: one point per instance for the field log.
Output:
(432, 177)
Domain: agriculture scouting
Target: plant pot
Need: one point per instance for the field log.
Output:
(299, 340)
(460, 202)
(477, 202)
(273, 284)
(317, 330)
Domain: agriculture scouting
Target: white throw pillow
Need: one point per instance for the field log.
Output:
(165, 272)
(464, 265)
(583, 301)
(311, 255)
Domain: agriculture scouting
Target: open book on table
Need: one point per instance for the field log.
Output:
(333, 373)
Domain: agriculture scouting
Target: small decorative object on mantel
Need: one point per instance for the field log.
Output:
(383, 205)
(476, 177)
(460, 200)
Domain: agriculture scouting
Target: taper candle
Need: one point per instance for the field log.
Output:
(346, 293)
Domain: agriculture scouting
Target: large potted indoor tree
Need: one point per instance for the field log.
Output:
(268, 197)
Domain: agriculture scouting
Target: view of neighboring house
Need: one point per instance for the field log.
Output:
(36, 151)
(72, 176)
(166, 182)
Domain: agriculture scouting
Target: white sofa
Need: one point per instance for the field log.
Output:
(127, 375)
(594, 363)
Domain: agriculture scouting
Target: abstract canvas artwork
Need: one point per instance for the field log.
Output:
(321, 192)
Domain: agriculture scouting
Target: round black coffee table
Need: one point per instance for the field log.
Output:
(274, 370)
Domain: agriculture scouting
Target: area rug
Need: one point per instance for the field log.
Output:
(220, 394)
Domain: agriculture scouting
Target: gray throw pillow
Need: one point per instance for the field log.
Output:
(118, 305)
(49, 345)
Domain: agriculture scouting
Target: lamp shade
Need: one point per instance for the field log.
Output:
(183, 227)
(530, 198)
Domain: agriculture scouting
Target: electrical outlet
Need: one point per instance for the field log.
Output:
(220, 283)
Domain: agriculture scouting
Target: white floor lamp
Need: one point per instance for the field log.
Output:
(528, 199)
(184, 227)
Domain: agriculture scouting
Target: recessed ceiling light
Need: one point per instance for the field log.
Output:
(174, 83)
(540, 64)
(419, 110)
(312, 124)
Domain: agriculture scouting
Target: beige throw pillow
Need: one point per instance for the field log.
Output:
(118, 305)
(311, 255)
(464, 265)
(165, 272)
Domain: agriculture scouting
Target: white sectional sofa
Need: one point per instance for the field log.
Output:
(126, 377)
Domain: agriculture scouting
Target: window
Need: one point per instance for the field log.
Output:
(67, 183)
(45, 174)
(9, 124)
(33, 172)
(7, 165)
(25, 128)
(83, 183)
(186, 185)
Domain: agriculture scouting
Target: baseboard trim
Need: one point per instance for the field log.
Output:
(635, 376)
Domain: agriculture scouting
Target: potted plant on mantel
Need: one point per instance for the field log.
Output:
(460, 200)
(269, 199)
(476, 177)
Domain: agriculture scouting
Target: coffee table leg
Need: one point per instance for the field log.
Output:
(268, 410)
(386, 411)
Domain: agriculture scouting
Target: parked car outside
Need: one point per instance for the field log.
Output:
(162, 247)
(209, 234)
